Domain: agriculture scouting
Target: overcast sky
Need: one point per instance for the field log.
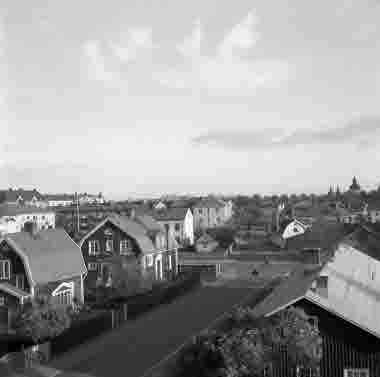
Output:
(140, 97)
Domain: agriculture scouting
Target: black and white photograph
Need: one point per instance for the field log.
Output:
(189, 188)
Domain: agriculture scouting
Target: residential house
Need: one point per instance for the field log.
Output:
(294, 228)
(59, 200)
(206, 244)
(178, 223)
(211, 212)
(22, 197)
(372, 212)
(45, 262)
(160, 205)
(139, 244)
(341, 292)
(14, 218)
(86, 198)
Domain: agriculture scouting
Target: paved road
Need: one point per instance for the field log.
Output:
(138, 345)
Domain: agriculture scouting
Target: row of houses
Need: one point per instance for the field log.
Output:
(34, 198)
(119, 252)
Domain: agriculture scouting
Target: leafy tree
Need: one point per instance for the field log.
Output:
(41, 319)
(249, 345)
(224, 235)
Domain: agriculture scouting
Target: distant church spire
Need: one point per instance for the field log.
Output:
(354, 185)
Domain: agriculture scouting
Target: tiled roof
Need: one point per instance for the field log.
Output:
(51, 254)
(13, 210)
(175, 214)
(365, 240)
(210, 202)
(27, 195)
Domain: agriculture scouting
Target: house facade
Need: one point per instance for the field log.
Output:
(22, 197)
(14, 218)
(32, 263)
(294, 228)
(178, 224)
(59, 200)
(211, 212)
(122, 248)
(342, 294)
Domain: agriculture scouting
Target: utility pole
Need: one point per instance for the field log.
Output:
(77, 203)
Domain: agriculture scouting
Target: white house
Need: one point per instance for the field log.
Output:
(178, 223)
(22, 197)
(211, 212)
(59, 200)
(294, 228)
(13, 218)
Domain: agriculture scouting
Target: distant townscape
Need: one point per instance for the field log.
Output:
(304, 260)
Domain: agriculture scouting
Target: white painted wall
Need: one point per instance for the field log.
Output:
(295, 228)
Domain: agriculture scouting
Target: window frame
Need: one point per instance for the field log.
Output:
(3, 270)
(125, 250)
(2, 301)
(92, 251)
(109, 241)
(177, 227)
(18, 276)
(91, 265)
(149, 260)
(355, 372)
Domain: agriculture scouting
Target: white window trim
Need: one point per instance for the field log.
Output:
(90, 250)
(125, 250)
(92, 266)
(109, 241)
(149, 260)
(356, 372)
(170, 262)
(3, 263)
(69, 289)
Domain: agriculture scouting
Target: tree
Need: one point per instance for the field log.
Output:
(249, 345)
(41, 319)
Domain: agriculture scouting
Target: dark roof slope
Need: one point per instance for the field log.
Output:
(289, 291)
(52, 255)
(210, 202)
(323, 235)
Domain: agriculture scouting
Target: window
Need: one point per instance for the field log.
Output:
(93, 247)
(170, 262)
(20, 281)
(149, 260)
(2, 301)
(322, 282)
(92, 266)
(356, 373)
(34, 217)
(65, 297)
(109, 245)
(200, 211)
(295, 230)
(125, 247)
(177, 227)
(43, 217)
(5, 270)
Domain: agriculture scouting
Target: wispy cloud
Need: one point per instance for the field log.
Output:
(241, 37)
(360, 131)
(228, 69)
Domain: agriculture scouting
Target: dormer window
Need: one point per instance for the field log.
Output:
(125, 247)
(93, 247)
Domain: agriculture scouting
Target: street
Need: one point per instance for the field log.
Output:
(138, 345)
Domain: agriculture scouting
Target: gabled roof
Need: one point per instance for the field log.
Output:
(50, 255)
(348, 297)
(174, 214)
(210, 202)
(132, 228)
(13, 210)
(149, 223)
(322, 235)
(27, 195)
(12, 290)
